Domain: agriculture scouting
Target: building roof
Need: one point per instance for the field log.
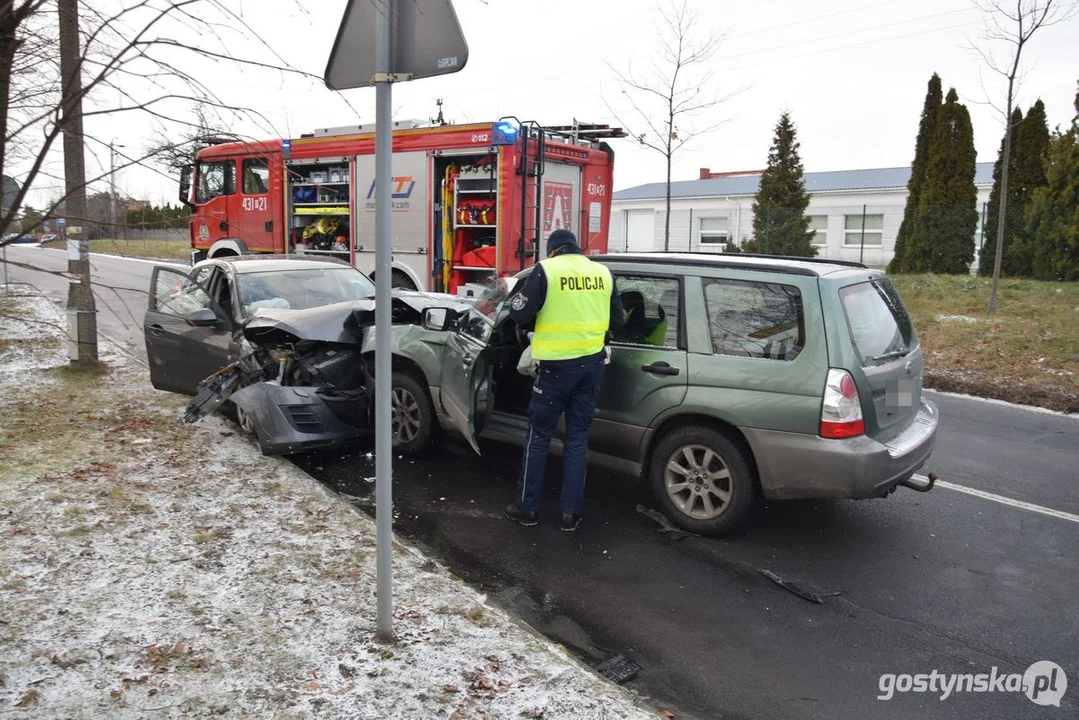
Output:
(832, 181)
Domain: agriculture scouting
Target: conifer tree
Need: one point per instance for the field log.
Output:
(947, 216)
(1030, 147)
(1053, 215)
(918, 170)
(780, 223)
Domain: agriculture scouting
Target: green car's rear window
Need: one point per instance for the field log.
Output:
(878, 320)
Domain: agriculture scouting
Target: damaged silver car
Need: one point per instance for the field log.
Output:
(287, 346)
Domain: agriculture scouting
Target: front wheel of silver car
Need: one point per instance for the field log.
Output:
(412, 414)
(702, 480)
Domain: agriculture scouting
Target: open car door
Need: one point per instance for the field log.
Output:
(188, 337)
(464, 378)
(466, 365)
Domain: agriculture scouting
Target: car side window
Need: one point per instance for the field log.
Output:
(177, 294)
(651, 306)
(755, 319)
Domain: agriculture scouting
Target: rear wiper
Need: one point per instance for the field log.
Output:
(890, 355)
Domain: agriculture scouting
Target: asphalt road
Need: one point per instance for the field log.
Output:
(944, 581)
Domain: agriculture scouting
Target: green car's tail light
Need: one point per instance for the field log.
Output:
(841, 411)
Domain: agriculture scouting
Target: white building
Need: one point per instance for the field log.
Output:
(856, 213)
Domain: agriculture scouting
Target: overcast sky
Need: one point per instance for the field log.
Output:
(852, 74)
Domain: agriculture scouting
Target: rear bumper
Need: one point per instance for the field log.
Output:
(793, 465)
(295, 419)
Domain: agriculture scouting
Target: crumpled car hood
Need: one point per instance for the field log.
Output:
(337, 323)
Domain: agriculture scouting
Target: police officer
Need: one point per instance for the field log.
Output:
(574, 304)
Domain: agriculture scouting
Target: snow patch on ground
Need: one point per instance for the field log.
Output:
(172, 569)
(956, 318)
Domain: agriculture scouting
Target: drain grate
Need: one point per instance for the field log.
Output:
(618, 668)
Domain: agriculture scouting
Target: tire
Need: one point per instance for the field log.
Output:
(415, 427)
(399, 279)
(718, 490)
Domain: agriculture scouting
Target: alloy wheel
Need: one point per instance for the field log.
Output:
(698, 481)
(406, 416)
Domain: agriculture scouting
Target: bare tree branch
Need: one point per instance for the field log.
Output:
(662, 107)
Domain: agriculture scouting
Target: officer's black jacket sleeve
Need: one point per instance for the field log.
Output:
(526, 303)
(618, 315)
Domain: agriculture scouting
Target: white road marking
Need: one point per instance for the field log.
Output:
(1004, 500)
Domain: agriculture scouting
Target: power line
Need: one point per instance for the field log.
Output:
(846, 34)
(854, 45)
(815, 19)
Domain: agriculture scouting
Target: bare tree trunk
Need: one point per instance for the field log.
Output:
(80, 298)
(667, 221)
(998, 258)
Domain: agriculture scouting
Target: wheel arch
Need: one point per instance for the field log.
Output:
(674, 422)
(226, 247)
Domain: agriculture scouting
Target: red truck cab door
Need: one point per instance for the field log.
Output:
(255, 210)
(215, 186)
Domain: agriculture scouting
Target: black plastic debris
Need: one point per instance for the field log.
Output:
(618, 669)
(665, 525)
(795, 588)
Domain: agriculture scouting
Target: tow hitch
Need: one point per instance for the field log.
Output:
(921, 484)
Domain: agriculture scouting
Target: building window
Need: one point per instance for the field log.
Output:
(818, 225)
(714, 231)
(874, 230)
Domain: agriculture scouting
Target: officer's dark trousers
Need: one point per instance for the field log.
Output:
(569, 389)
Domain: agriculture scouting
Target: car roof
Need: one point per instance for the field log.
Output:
(738, 261)
(242, 264)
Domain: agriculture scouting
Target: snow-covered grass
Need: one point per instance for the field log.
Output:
(150, 567)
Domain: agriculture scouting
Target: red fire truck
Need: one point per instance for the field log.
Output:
(470, 202)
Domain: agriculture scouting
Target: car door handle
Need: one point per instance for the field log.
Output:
(660, 368)
(155, 329)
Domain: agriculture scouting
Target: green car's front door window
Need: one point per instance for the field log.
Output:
(651, 307)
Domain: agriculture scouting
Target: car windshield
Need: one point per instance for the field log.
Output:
(302, 289)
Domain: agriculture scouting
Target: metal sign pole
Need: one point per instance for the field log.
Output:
(383, 317)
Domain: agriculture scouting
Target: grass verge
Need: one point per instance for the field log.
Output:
(1027, 352)
(151, 249)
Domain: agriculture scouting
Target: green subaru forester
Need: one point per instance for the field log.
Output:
(736, 377)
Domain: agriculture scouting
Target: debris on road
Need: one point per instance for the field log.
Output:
(665, 525)
(795, 588)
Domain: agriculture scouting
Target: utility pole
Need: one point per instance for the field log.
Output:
(112, 189)
(81, 314)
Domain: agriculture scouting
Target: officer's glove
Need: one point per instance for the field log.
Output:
(606, 354)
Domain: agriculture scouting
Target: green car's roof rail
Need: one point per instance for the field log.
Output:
(730, 262)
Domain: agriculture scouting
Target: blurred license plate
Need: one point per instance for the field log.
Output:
(900, 393)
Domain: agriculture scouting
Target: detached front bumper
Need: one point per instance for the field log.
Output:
(793, 465)
(291, 419)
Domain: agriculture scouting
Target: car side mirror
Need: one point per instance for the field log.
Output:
(187, 172)
(203, 317)
(437, 318)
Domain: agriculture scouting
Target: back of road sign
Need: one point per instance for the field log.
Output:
(427, 41)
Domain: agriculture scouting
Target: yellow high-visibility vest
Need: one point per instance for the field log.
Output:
(576, 313)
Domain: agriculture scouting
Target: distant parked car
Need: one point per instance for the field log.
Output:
(49, 237)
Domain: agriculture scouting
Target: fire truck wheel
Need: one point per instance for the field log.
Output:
(400, 280)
